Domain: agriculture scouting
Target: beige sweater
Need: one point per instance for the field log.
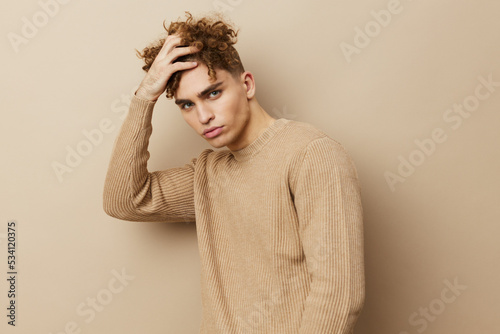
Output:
(279, 224)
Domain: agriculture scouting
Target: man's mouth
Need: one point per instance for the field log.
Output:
(213, 132)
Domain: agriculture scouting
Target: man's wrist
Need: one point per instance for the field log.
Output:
(143, 95)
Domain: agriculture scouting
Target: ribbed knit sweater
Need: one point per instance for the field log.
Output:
(279, 224)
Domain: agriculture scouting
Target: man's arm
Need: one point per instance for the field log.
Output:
(330, 214)
(130, 191)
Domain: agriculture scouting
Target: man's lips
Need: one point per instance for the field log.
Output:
(210, 129)
(213, 131)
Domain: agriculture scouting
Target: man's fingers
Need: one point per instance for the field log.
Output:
(181, 66)
(172, 50)
(164, 66)
(182, 51)
(171, 42)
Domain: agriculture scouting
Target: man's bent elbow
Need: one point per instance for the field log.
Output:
(114, 208)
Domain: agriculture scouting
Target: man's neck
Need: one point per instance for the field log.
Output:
(259, 121)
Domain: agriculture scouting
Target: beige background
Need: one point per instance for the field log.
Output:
(438, 227)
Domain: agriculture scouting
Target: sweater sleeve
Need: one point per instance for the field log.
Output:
(130, 191)
(330, 214)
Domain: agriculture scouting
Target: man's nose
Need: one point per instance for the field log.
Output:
(205, 114)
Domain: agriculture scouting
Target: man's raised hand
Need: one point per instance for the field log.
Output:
(162, 68)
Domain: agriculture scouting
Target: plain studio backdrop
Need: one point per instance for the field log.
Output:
(410, 88)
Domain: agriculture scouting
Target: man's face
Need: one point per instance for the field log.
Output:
(222, 104)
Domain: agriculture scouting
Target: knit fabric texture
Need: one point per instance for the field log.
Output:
(279, 224)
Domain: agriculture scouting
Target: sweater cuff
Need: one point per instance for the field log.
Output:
(142, 102)
(140, 110)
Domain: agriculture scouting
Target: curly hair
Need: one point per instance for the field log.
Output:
(215, 39)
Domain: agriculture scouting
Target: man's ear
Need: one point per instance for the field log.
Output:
(248, 82)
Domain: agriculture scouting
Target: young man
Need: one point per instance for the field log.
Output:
(278, 213)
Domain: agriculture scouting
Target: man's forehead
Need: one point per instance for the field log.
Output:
(196, 80)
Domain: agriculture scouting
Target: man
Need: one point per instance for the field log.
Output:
(278, 213)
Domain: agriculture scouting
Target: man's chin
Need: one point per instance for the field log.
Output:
(216, 144)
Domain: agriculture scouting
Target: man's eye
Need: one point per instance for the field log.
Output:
(187, 105)
(215, 93)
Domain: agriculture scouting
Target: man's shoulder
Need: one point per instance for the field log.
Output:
(301, 135)
(304, 131)
(307, 140)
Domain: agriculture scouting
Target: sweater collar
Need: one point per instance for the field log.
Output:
(257, 145)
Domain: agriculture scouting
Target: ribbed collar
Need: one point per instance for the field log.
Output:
(261, 141)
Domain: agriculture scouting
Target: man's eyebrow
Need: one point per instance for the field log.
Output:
(200, 94)
(179, 102)
(209, 89)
